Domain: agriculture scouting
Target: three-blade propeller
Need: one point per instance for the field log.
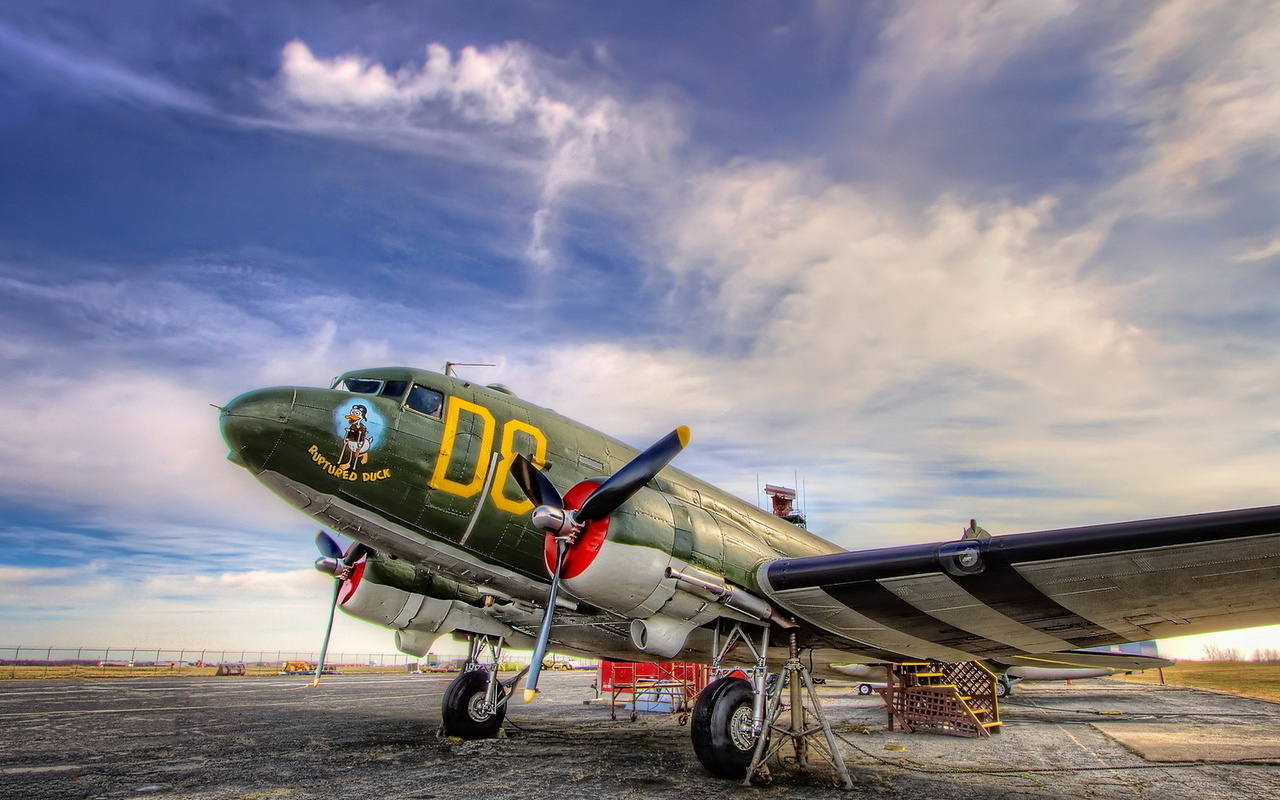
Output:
(333, 562)
(564, 524)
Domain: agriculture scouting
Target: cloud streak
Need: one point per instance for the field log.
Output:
(506, 97)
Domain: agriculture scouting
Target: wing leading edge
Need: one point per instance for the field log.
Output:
(1042, 592)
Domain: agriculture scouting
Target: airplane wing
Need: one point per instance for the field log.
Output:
(1040, 593)
(1086, 659)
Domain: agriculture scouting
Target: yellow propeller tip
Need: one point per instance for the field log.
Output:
(529, 694)
(685, 434)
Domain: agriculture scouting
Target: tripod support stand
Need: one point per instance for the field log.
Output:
(798, 731)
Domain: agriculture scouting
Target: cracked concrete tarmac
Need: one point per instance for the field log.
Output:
(236, 738)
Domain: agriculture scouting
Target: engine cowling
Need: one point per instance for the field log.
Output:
(629, 571)
(418, 604)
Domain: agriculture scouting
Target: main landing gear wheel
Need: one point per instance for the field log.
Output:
(723, 735)
(865, 689)
(1002, 688)
(463, 708)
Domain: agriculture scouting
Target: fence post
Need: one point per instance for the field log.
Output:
(16, 653)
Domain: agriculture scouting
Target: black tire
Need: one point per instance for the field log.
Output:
(864, 689)
(721, 727)
(1002, 688)
(459, 709)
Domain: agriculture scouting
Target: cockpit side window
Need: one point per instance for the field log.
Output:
(425, 401)
(362, 385)
(394, 389)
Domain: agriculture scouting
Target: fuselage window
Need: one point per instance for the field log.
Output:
(362, 385)
(425, 401)
(394, 389)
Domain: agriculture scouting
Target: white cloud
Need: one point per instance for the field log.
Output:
(937, 46)
(496, 86)
(15, 576)
(283, 610)
(1204, 81)
(139, 443)
(903, 350)
(1271, 248)
(266, 585)
(502, 105)
(826, 275)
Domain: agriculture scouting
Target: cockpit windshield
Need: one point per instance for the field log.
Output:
(361, 385)
(392, 389)
(425, 401)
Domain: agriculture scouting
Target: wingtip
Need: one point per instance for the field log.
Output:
(685, 434)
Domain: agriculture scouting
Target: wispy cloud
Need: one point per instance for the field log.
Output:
(1204, 83)
(931, 47)
(504, 102)
(93, 76)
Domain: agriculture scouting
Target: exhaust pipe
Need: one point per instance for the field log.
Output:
(733, 597)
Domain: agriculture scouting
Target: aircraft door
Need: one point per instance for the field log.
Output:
(456, 477)
(500, 527)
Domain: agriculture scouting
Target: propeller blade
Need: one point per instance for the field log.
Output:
(535, 485)
(544, 632)
(327, 546)
(624, 483)
(324, 647)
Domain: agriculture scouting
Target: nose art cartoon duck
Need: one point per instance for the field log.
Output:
(356, 444)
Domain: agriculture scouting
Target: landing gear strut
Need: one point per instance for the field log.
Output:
(729, 715)
(736, 715)
(475, 703)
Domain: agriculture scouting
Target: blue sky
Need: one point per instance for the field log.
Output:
(939, 260)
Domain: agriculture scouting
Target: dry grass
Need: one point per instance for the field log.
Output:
(1249, 679)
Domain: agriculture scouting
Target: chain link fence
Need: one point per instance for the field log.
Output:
(24, 661)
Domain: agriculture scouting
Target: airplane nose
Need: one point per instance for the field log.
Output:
(253, 422)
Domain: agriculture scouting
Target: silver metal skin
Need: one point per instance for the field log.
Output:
(734, 597)
(554, 520)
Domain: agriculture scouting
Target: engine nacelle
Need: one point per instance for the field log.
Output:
(650, 540)
(627, 574)
(440, 606)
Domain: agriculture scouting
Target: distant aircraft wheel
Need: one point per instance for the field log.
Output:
(723, 735)
(463, 708)
(864, 689)
(1002, 688)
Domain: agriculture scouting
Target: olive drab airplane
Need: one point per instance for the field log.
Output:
(481, 515)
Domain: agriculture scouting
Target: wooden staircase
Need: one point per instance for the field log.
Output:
(954, 699)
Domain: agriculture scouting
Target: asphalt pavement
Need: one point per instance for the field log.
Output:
(245, 738)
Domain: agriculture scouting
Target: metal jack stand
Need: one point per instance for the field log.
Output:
(795, 678)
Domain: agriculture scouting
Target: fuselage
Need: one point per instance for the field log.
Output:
(417, 465)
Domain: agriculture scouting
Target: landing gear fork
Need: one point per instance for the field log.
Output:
(724, 642)
(728, 717)
(475, 703)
